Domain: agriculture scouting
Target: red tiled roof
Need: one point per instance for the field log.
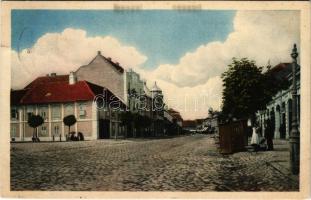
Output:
(16, 96)
(281, 70)
(48, 79)
(57, 92)
(56, 89)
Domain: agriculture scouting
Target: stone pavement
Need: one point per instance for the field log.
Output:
(189, 163)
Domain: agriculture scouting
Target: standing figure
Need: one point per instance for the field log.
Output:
(269, 132)
(255, 139)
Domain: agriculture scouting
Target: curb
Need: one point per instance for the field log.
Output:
(284, 171)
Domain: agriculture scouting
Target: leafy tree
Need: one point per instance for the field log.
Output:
(34, 121)
(69, 121)
(247, 88)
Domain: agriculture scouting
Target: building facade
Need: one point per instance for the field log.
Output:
(54, 97)
(279, 110)
(104, 72)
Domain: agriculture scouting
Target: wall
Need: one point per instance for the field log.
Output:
(84, 124)
(102, 73)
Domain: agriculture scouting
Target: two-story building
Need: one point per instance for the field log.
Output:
(53, 97)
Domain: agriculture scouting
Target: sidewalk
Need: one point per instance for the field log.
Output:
(281, 160)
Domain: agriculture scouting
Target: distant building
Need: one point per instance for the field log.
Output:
(279, 110)
(173, 122)
(176, 116)
(135, 88)
(128, 87)
(157, 110)
(54, 97)
(189, 125)
(211, 123)
(104, 72)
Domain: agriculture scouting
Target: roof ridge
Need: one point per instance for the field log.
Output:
(88, 87)
(28, 92)
(117, 67)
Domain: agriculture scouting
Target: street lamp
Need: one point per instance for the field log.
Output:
(294, 134)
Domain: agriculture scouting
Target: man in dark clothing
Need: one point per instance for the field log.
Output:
(269, 132)
(282, 130)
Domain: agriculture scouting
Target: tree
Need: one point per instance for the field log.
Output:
(69, 121)
(34, 121)
(248, 88)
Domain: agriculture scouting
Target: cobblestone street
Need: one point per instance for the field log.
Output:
(188, 163)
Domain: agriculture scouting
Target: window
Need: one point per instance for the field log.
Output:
(56, 130)
(13, 131)
(43, 112)
(82, 110)
(43, 130)
(69, 109)
(29, 111)
(56, 112)
(134, 78)
(14, 113)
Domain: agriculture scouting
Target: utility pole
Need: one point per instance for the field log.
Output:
(294, 134)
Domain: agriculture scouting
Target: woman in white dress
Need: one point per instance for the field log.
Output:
(255, 139)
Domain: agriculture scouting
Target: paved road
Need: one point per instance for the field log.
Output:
(189, 163)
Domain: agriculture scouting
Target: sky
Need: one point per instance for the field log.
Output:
(184, 51)
(158, 34)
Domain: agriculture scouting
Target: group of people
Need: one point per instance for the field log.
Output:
(265, 142)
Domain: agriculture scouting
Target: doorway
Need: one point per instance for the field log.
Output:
(104, 127)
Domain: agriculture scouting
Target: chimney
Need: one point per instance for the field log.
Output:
(99, 53)
(72, 78)
(53, 74)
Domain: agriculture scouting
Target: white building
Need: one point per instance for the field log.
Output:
(279, 109)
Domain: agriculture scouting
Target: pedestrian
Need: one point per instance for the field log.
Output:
(255, 139)
(269, 132)
(282, 130)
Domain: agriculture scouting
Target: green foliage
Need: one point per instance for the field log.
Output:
(69, 120)
(35, 120)
(247, 88)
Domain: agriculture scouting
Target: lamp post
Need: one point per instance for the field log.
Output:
(294, 134)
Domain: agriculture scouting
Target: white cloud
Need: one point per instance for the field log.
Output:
(258, 35)
(65, 52)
